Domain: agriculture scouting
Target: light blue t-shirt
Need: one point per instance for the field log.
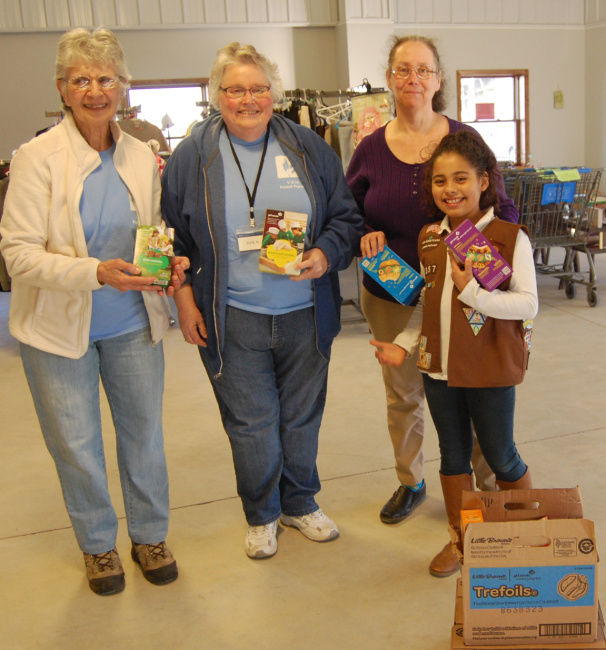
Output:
(280, 189)
(110, 226)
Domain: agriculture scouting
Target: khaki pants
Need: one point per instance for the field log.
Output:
(405, 397)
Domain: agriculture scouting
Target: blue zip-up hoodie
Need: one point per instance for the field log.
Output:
(193, 203)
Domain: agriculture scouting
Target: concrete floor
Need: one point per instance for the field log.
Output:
(368, 589)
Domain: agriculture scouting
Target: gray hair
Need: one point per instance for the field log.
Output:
(99, 46)
(234, 54)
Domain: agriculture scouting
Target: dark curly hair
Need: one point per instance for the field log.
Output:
(438, 101)
(469, 145)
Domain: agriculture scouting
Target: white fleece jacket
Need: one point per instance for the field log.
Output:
(43, 241)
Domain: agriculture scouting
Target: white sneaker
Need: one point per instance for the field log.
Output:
(261, 541)
(315, 526)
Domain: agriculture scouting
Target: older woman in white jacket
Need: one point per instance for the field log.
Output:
(81, 311)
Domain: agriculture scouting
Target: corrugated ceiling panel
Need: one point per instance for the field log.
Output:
(10, 14)
(459, 11)
(57, 14)
(34, 14)
(104, 12)
(149, 12)
(476, 11)
(81, 13)
(353, 9)
(171, 13)
(494, 13)
(372, 9)
(297, 11)
(193, 12)
(278, 11)
(406, 11)
(236, 11)
(423, 11)
(526, 12)
(127, 13)
(215, 12)
(322, 12)
(24, 15)
(511, 11)
(257, 11)
(442, 11)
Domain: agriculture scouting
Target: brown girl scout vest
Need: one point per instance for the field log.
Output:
(484, 352)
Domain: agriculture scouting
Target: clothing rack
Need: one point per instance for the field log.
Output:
(128, 112)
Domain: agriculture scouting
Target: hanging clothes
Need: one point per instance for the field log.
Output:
(369, 113)
(144, 131)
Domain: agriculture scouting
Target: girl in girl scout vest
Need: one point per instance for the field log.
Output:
(473, 343)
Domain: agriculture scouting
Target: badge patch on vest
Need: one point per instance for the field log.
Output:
(424, 356)
(475, 319)
(527, 327)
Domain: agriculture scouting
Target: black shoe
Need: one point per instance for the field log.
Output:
(402, 503)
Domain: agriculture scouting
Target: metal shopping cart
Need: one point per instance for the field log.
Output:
(553, 205)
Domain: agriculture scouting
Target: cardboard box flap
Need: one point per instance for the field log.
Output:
(497, 541)
(521, 505)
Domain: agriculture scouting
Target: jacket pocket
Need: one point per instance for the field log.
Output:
(58, 318)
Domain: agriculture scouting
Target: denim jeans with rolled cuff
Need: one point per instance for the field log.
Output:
(66, 397)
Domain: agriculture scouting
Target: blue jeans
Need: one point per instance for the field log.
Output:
(453, 411)
(66, 397)
(271, 396)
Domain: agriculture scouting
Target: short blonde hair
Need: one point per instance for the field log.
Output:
(98, 46)
(235, 53)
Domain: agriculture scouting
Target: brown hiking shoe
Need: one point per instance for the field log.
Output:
(104, 572)
(156, 562)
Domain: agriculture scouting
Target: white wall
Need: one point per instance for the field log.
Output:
(555, 59)
(595, 106)
(333, 57)
(306, 58)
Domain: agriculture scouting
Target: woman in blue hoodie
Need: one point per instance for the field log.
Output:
(264, 338)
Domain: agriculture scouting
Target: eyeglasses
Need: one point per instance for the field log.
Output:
(84, 83)
(237, 92)
(404, 71)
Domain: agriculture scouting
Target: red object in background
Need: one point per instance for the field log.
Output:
(485, 111)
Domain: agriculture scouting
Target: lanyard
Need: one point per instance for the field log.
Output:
(251, 197)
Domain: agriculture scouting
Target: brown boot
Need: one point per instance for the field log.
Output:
(156, 561)
(104, 572)
(523, 483)
(446, 562)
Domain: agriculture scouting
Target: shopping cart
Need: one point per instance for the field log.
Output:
(555, 213)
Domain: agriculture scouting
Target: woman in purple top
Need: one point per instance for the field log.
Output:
(385, 176)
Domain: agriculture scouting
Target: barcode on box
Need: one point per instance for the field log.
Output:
(564, 629)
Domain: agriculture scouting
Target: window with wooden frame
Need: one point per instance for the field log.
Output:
(173, 105)
(495, 103)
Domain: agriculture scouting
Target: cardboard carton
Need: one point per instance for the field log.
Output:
(395, 276)
(457, 642)
(487, 265)
(154, 251)
(529, 571)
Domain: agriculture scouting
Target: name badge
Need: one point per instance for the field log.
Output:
(249, 239)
